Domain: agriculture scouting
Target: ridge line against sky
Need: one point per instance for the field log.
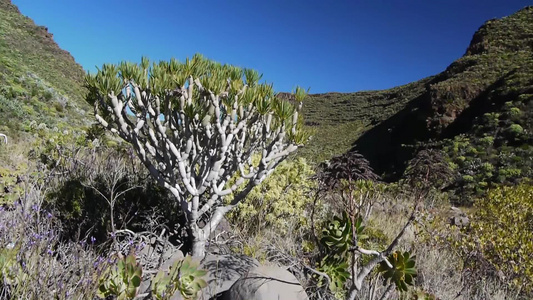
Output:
(329, 46)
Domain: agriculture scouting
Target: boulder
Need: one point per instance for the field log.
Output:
(222, 272)
(266, 283)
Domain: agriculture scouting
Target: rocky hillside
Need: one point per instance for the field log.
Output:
(478, 112)
(38, 81)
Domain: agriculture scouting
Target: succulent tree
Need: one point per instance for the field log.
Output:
(196, 125)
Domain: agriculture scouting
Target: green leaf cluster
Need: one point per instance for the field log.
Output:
(337, 238)
(402, 272)
(280, 202)
(184, 276)
(122, 280)
(163, 85)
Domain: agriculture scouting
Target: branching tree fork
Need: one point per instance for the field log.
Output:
(195, 126)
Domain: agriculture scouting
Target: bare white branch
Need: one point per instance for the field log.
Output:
(4, 136)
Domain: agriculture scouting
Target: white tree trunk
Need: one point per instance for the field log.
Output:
(198, 247)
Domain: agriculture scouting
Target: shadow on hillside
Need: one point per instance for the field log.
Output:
(390, 145)
(382, 145)
(484, 103)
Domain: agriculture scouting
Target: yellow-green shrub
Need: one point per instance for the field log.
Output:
(280, 201)
(502, 228)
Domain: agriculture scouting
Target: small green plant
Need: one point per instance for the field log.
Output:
(336, 241)
(10, 269)
(337, 270)
(184, 276)
(122, 280)
(515, 129)
(402, 272)
(337, 236)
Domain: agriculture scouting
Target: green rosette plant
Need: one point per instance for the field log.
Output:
(402, 272)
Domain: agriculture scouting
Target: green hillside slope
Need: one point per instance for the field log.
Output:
(478, 112)
(338, 119)
(38, 81)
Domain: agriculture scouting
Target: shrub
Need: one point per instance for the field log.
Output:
(502, 229)
(428, 168)
(280, 199)
(350, 166)
(515, 112)
(94, 180)
(34, 263)
(515, 129)
(487, 141)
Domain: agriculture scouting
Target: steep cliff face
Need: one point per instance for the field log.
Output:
(497, 64)
(38, 80)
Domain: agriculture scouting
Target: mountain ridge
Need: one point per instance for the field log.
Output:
(39, 81)
(494, 79)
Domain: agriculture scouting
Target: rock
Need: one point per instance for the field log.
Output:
(458, 217)
(169, 258)
(222, 272)
(266, 283)
(460, 221)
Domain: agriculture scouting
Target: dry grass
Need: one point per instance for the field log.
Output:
(440, 268)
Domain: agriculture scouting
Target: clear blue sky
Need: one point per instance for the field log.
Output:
(334, 45)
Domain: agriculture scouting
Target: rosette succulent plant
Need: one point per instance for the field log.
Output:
(402, 272)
